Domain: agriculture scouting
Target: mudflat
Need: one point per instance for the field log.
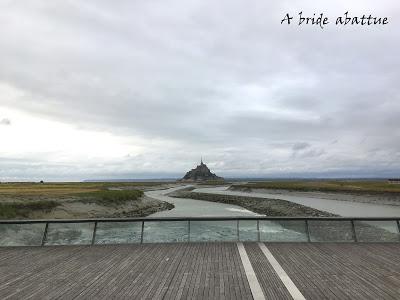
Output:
(78, 200)
(364, 191)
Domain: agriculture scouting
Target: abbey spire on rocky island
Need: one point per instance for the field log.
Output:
(200, 173)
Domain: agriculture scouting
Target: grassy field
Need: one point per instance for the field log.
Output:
(10, 210)
(21, 200)
(110, 198)
(59, 189)
(347, 186)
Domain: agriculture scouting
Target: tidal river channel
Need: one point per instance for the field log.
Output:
(341, 208)
(195, 208)
(268, 230)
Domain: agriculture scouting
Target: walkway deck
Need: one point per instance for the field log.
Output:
(199, 271)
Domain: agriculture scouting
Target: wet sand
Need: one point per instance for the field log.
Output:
(72, 209)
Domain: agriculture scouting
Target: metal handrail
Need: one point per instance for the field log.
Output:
(199, 219)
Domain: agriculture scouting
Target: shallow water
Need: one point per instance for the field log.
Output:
(195, 208)
(342, 208)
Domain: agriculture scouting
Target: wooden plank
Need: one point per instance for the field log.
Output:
(108, 258)
(340, 270)
(24, 273)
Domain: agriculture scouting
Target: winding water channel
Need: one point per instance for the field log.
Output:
(195, 208)
(342, 208)
(200, 208)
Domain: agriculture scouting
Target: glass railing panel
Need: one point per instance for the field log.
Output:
(283, 231)
(221, 231)
(330, 231)
(21, 234)
(377, 231)
(118, 232)
(165, 231)
(69, 233)
(248, 230)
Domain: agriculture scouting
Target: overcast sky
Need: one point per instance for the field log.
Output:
(142, 89)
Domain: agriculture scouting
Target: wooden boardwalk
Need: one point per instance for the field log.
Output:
(199, 271)
(342, 271)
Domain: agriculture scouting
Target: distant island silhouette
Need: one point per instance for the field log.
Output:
(200, 173)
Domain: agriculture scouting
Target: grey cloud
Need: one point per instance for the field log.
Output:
(5, 121)
(223, 79)
(300, 146)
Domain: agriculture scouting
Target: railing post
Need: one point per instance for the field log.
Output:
(237, 230)
(141, 236)
(44, 238)
(188, 230)
(258, 230)
(94, 232)
(398, 227)
(354, 231)
(308, 231)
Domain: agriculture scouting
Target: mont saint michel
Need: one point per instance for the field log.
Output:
(200, 173)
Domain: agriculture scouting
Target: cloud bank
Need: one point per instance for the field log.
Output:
(144, 88)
